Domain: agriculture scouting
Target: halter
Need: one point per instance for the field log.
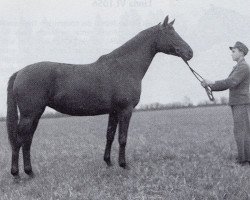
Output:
(199, 78)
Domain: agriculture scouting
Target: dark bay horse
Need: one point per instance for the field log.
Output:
(111, 85)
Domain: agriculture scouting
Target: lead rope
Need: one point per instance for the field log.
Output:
(199, 78)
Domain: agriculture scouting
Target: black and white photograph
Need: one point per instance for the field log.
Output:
(124, 100)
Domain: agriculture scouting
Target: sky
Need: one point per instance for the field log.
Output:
(79, 32)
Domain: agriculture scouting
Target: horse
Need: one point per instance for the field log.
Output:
(110, 85)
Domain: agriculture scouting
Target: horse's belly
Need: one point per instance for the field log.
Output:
(81, 105)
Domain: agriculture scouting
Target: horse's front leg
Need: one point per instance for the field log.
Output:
(112, 125)
(124, 119)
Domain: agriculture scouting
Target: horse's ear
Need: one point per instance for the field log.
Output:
(171, 23)
(165, 23)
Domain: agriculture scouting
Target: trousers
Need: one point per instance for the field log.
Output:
(241, 119)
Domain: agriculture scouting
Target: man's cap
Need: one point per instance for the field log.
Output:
(242, 47)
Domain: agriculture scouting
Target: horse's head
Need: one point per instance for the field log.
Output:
(169, 42)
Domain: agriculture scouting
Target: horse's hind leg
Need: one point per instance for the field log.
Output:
(112, 125)
(26, 129)
(22, 133)
(16, 145)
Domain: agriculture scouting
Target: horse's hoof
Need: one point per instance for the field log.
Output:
(16, 179)
(31, 175)
(123, 165)
(108, 162)
(14, 173)
(29, 172)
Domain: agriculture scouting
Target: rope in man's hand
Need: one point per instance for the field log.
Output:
(199, 78)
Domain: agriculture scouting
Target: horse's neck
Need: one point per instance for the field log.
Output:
(139, 60)
(136, 55)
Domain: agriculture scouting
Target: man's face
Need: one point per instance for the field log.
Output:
(236, 54)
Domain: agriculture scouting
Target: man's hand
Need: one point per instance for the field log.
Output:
(206, 83)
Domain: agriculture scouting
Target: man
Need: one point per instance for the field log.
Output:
(239, 99)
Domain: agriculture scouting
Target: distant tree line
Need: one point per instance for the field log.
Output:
(187, 103)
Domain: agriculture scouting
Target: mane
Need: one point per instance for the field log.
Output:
(131, 44)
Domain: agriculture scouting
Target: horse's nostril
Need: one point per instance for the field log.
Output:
(177, 50)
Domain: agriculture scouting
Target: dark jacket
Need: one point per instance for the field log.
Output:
(238, 84)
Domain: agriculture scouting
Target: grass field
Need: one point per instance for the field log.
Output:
(172, 154)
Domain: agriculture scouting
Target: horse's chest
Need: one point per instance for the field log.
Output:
(126, 96)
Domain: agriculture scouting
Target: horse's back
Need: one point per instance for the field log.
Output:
(41, 76)
(75, 89)
(83, 90)
(36, 76)
(68, 88)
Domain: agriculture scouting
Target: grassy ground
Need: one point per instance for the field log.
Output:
(173, 154)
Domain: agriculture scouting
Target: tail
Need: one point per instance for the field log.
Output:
(12, 114)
